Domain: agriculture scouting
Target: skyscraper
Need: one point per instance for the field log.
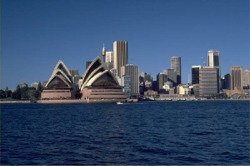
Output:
(208, 81)
(246, 78)
(109, 59)
(133, 72)
(126, 84)
(172, 76)
(227, 81)
(176, 65)
(195, 74)
(120, 53)
(214, 59)
(214, 62)
(236, 78)
(161, 79)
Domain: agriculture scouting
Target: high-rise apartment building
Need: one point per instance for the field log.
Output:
(195, 74)
(176, 65)
(120, 53)
(208, 81)
(236, 78)
(133, 72)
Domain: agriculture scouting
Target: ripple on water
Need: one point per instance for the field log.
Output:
(151, 133)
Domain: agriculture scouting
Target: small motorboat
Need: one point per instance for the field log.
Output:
(119, 102)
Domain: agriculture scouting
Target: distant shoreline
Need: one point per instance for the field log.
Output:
(81, 101)
(15, 102)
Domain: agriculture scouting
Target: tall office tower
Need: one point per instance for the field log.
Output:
(172, 76)
(195, 74)
(161, 79)
(213, 60)
(246, 78)
(227, 81)
(109, 59)
(208, 81)
(176, 65)
(236, 78)
(126, 84)
(120, 53)
(133, 72)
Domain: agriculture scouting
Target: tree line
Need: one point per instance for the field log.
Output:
(22, 93)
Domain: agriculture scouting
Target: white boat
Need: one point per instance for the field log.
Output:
(119, 102)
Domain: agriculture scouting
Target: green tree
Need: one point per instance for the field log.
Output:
(2, 94)
(37, 94)
(25, 93)
(31, 94)
(8, 92)
(18, 93)
(39, 88)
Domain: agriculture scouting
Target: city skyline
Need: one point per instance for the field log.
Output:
(36, 34)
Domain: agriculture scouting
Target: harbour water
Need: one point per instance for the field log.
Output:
(148, 133)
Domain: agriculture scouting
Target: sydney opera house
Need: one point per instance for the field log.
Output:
(98, 84)
(60, 84)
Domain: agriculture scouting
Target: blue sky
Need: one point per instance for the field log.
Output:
(37, 33)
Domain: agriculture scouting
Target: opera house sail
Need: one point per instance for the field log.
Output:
(60, 85)
(99, 84)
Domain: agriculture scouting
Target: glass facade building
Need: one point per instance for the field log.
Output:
(133, 72)
(176, 65)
